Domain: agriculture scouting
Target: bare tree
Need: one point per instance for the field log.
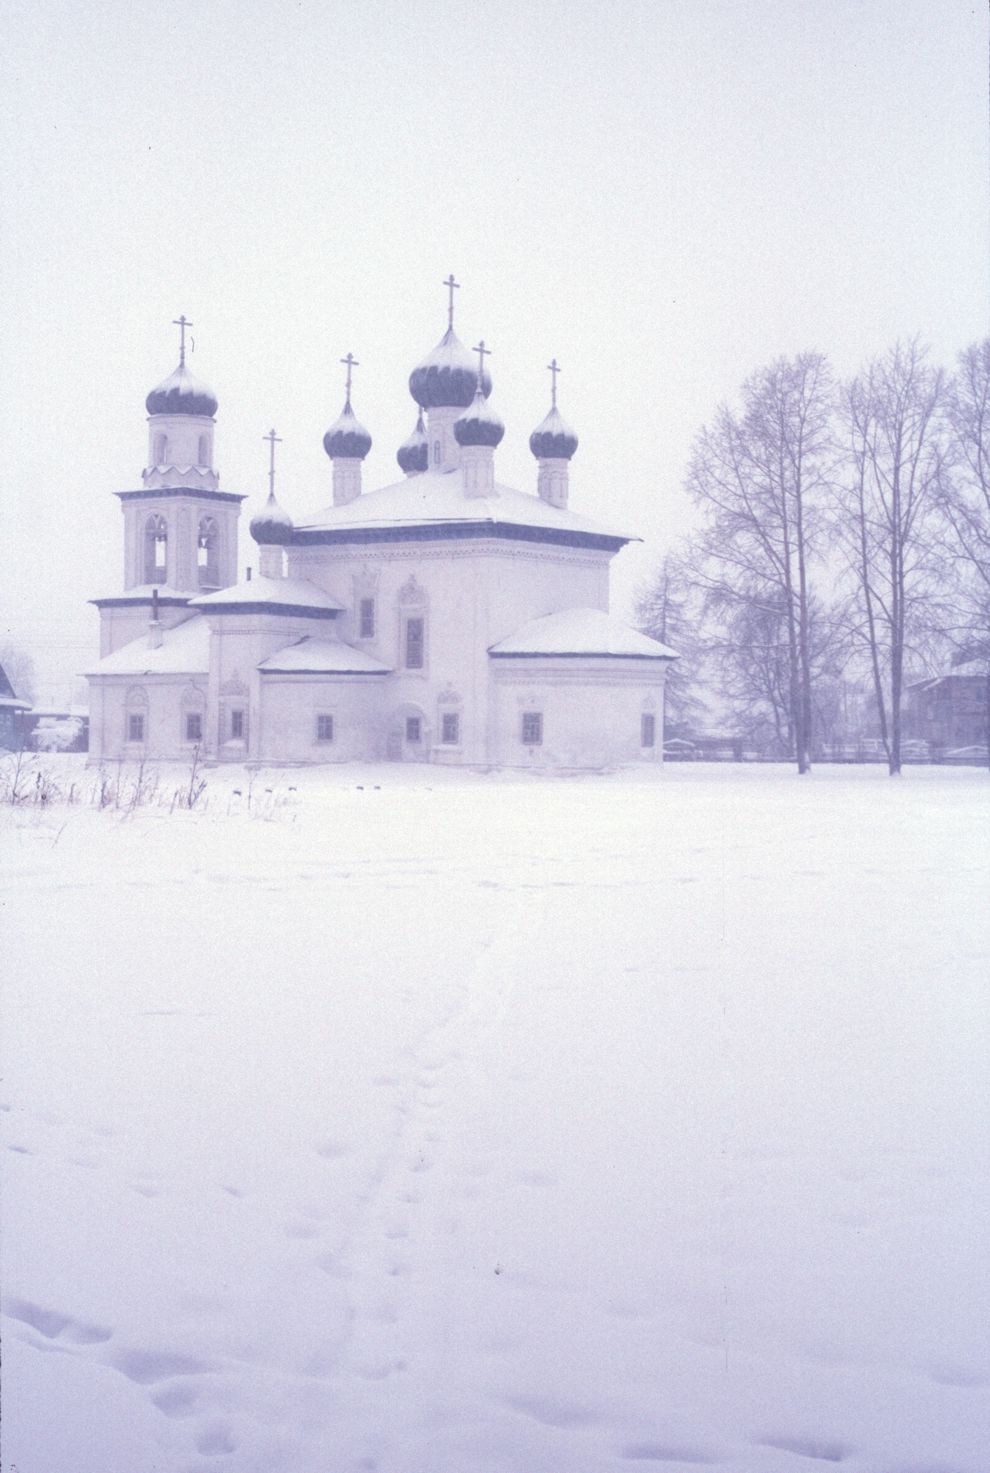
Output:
(664, 611)
(885, 511)
(965, 504)
(760, 479)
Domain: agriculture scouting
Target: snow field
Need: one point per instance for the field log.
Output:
(421, 1121)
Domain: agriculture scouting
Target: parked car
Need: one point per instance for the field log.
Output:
(679, 749)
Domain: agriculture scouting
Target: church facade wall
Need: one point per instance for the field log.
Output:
(587, 711)
(321, 719)
(468, 595)
(238, 644)
(133, 718)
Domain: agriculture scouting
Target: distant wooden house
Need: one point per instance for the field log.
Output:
(12, 713)
(948, 710)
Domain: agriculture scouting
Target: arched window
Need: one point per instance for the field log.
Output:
(204, 450)
(155, 550)
(161, 449)
(436, 452)
(136, 716)
(208, 553)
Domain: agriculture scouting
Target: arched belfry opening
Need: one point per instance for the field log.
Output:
(208, 553)
(155, 550)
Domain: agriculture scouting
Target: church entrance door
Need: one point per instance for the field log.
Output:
(408, 736)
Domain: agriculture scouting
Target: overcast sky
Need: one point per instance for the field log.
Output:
(665, 195)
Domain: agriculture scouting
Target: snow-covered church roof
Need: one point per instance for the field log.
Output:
(581, 632)
(184, 650)
(276, 595)
(437, 498)
(310, 656)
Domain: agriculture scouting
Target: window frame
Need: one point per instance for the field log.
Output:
(325, 733)
(450, 717)
(193, 719)
(417, 723)
(367, 617)
(647, 730)
(531, 729)
(135, 719)
(410, 622)
(236, 723)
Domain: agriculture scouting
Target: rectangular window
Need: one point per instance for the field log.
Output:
(237, 726)
(413, 729)
(324, 728)
(532, 728)
(366, 619)
(647, 730)
(135, 727)
(415, 643)
(194, 726)
(450, 728)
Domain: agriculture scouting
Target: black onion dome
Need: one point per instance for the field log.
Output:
(413, 454)
(180, 393)
(479, 425)
(553, 439)
(447, 377)
(347, 438)
(271, 527)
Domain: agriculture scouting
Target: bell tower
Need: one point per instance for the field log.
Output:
(180, 529)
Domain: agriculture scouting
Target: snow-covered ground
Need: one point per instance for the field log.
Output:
(435, 1123)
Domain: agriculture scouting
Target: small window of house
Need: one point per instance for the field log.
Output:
(135, 726)
(450, 728)
(366, 619)
(415, 643)
(204, 450)
(324, 728)
(532, 728)
(648, 730)
(194, 726)
(414, 729)
(161, 449)
(237, 726)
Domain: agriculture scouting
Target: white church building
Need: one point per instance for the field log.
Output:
(444, 618)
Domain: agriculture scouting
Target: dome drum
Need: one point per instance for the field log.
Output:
(479, 425)
(181, 393)
(447, 378)
(553, 439)
(347, 438)
(413, 454)
(272, 527)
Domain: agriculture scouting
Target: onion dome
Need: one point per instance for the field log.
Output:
(272, 527)
(479, 425)
(447, 377)
(553, 439)
(180, 393)
(347, 438)
(413, 454)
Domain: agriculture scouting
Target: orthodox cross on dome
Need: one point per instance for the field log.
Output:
(452, 286)
(181, 323)
(482, 353)
(352, 363)
(554, 370)
(273, 440)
